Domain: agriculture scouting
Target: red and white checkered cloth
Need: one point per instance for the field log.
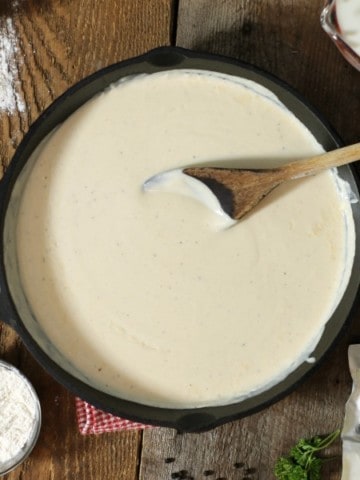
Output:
(91, 420)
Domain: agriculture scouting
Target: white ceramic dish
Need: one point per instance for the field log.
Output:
(25, 451)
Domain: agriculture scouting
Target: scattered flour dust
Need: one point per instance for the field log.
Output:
(18, 414)
(11, 100)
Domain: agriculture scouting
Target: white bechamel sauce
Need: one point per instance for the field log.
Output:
(141, 291)
(348, 16)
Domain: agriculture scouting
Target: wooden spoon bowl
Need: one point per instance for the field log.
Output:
(240, 190)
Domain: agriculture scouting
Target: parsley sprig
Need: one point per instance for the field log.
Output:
(303, 462)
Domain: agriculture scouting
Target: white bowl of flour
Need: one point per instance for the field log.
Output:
(20, 417)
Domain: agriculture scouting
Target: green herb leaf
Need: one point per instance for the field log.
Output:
(286, 469)
(303, 462)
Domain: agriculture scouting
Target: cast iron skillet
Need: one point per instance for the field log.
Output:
(15, 310)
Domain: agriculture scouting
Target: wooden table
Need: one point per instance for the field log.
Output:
(46, 46)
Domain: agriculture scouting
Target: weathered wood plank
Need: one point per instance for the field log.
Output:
(45, 47)
(285, 38)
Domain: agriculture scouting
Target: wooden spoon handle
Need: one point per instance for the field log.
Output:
(312, 165)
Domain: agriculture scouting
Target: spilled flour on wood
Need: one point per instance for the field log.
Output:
(11, 100)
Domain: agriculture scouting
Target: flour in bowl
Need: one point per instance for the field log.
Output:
(18, 415)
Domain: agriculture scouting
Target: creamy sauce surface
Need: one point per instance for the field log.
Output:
(141, 291)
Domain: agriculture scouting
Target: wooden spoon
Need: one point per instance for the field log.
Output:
(240, 190)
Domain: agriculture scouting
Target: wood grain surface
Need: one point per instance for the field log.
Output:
(50, 44)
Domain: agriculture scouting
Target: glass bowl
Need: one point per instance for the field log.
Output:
(341, 21)
(21, 452)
